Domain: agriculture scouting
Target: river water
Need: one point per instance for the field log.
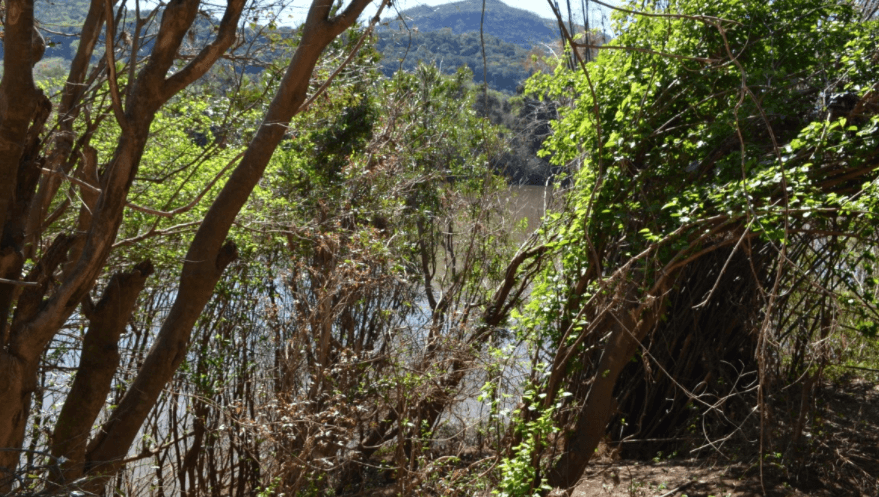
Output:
(518, 203)
(527, 202)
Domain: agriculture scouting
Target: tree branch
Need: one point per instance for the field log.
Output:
(206, 58)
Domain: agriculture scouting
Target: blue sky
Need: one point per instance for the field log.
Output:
(297, 9)
(539, 7)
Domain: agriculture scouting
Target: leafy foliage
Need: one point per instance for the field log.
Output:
(504, 68)
(510, 24)
(677, 144)
(725, 132)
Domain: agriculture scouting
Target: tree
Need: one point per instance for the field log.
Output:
(728, 168)
(42, 285)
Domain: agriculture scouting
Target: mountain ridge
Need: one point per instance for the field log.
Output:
(447, 35)
(510, 24)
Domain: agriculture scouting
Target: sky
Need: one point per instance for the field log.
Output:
(539, 7)
(298, 9)
(296, 12)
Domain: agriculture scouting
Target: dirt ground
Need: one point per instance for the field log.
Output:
(843, 460)
(692, 478)
(839, 457)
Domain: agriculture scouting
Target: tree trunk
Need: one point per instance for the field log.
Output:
(43, 308)
(208, 255)
(98, 362)
(629, 325)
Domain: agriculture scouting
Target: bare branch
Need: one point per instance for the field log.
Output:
(110, 40)
(18, 283)
(304, 107)
(646, 50)
(206, 58)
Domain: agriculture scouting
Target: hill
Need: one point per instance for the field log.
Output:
(446, 35)
(54, 14)
(509, 24)
(504, 61)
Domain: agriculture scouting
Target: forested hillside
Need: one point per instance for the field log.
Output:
(446, 36)
(505, 68)
(239, 259)
(56, 14)
(449, 36)
(503, 21)
(505, 64)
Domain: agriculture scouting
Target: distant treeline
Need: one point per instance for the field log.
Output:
(503, 68)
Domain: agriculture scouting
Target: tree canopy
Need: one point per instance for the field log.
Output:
(718, 142)
(238, 259)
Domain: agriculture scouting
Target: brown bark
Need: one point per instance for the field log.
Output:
(68, 110)
(18, 101)
(43, 308)
(18, 95)
(20, 105)
(11, 242)
(34, 325)
(630, 325)
(208, 255)
(98, 362)
(19, 374)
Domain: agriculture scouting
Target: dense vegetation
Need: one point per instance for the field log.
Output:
(239, 259)
(426, 37)
(724, 217)
(505, 65)
(447, 35)
(510, 24)
(55, 14)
